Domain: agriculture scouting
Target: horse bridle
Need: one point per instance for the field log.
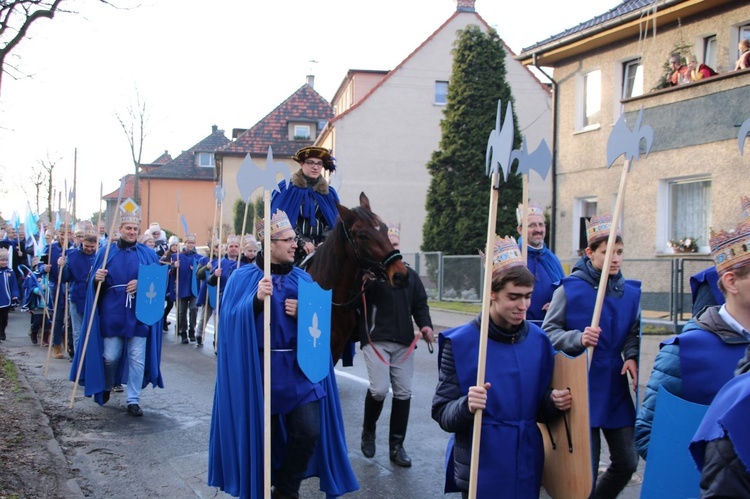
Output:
(377, 268)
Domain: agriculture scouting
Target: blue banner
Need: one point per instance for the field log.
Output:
(314, 330)
(149, 296)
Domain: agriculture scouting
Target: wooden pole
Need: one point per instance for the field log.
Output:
(218, 281)
(57, 290)
(93, 305)
(525, 219)
(210, 257)
(483, 332)
(242, 235)
(177, 275)
(602, 290)
(267, 347)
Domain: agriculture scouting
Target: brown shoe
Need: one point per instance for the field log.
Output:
(57, 352)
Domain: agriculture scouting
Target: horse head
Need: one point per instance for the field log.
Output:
(369, 243)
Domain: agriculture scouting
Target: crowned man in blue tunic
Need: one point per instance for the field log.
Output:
(542, 263)
(516, 393)
(307, 425)
(121, 349)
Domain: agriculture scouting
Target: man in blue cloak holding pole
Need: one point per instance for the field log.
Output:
(122, 343)
(306, 421)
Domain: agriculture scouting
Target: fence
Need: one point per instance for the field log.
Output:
(665, 282)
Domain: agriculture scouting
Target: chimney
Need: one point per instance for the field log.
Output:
(465, 6)
(214, 128)
(311, 80)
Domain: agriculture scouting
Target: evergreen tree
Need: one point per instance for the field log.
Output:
(239, 211)
(458, 196)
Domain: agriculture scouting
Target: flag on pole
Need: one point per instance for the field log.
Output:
(31, 221)
(184, 224)
(14, 220)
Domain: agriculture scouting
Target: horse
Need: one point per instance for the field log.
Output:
(357, 244)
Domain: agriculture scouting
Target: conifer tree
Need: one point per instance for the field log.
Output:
(459, 192)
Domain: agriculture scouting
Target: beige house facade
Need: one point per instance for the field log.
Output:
(694, 176)
(387, 125)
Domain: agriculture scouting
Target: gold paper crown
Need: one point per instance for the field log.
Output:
(130, 212)
(394, 229)
(731, 250)
(534, 209)
(279, 223)
(506, 254)
(745, 207)
(4, 254)
(598, 227)
(89, 229)
(249, 238)
(190, 238)
(233, 239)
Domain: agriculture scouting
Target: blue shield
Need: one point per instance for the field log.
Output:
(150, 294)
(194, 278)
(314, 331)
(670, 469)
(211, 292)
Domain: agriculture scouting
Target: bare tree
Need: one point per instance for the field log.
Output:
(47, 169)
(38, 179)
(133, 124)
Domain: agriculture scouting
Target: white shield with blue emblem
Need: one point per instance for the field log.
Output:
(150, 294)
(314, 331)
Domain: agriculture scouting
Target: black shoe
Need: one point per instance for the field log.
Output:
(192, 338)
(198, 342)
(105, 396)
(34, 335)
(165, 326)
(2, 335)
(118, 389)
(135, 410)
(185, 341)
(399, 456)
(368, 444)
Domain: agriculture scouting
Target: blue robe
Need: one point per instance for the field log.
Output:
(76, 272)
(235, 454)
(511, 455)
(610, 405)
(710, 277)
(547, 272)
(186, 272)
(8, 287)
(111, 312)
(290, 199)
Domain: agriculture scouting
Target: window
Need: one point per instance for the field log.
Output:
(710, 51)
(688, 210)
(441, 92)
(205, 159)
(592, 98)
(584, 209)
(301, 132)
(632, 79)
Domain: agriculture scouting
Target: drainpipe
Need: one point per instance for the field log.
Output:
(553, 146)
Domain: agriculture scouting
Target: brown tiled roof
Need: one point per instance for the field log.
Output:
(304, 105)
(163, 159)
(127, 191)
(184, 166)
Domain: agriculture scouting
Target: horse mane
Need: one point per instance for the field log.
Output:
(329, 258)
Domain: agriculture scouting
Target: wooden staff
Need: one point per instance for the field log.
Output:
(96, 299)
(210, 257)
(57, 290)
(483, 332)
(218, 282)
(525, 219)
(177, 276)
(242, 235)
(267, 346)
(611, 239)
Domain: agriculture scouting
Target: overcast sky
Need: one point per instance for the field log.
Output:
(197, 64)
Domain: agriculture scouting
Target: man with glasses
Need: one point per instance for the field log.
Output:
(205, 265)
(542, 262)
(306, 420)
(308, 200)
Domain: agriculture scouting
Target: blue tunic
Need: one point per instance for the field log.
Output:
(511, 456)
(711, 278)
(547, 272)
(114, 315)
(610, 404)
(8, 287)
(235, 454)
(187, 261)
(76, 272)
(290, 199)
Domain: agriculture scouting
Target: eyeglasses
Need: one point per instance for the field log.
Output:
(286, 240)
(537, 226)
(313, 163)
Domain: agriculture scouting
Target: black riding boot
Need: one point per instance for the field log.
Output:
(399, 422)
(372, 413)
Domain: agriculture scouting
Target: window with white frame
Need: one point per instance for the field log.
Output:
(592, 98)
(205, 159)
(710, 51)
(441, 92)
(688, 210)
(744, 32)
(632, 78)
(301, 132)
(583, 209)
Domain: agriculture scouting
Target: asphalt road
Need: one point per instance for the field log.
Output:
(165, 453)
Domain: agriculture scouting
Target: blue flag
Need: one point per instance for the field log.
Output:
(149, 297)
(314, 330)
(184, 224)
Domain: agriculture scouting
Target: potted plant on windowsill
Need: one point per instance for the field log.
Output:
(685, 245)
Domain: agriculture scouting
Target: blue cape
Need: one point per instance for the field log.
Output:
(92, 373)
(289, 200)
(235, 452)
